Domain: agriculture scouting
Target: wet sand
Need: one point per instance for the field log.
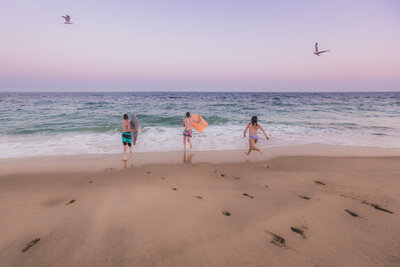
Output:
(291, 210)
(100, 162)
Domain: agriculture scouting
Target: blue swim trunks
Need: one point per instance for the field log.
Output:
(126, 139)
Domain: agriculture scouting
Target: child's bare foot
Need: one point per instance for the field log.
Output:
(131, 153)
(261, 153)
(191, 146)
(247, 153)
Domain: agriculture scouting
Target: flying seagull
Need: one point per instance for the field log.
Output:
(317, 53)
(67, 19)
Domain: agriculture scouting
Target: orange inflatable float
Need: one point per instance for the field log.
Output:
(199, 126)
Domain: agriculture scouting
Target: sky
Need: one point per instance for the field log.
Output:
(208, 45)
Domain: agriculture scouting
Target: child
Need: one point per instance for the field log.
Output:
(187, 133)
(126, 135)
(253, 127)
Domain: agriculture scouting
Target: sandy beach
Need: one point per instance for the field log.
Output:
(269, 211)
(200, 133)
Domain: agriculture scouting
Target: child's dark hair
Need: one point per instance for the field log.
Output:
(125, 116)
(254, 120)
(188, 114)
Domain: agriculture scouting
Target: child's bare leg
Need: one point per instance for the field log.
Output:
(190, 142)
(256, 148)
(251, 144)
(131, 152)
(125, 146)
(184, 142)
(248, 152)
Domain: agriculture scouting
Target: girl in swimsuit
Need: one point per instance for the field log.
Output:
(253, 127)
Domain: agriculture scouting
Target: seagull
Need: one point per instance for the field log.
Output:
(67, 19)
(317, 53)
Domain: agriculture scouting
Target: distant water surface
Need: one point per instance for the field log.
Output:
(80, 123)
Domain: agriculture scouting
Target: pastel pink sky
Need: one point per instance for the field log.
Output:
(200, 45)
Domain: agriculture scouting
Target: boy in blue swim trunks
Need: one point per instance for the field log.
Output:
(126, 135)
(253, 127)
(187, 133)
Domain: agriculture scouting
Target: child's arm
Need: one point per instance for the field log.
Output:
(262, 129)
(245, 130)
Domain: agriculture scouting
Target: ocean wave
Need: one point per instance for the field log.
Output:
(96, 103)
(216, 120)
(162, 138)
(62, 129)
(157, 120)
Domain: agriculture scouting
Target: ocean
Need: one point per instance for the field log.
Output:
(36, 124)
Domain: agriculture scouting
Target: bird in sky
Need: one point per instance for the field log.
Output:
(67, 19)
(317, 53)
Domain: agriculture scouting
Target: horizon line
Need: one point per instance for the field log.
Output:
(172, 91)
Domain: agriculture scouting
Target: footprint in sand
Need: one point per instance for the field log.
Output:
(174, 188)
(237, 178)
(223, 175)
(30, 244)
(162, 178)
(90, 182)
(70, 202)
(225, 212)
(247, 195)
(266, 186)
(148, 172)
(377, 207)
(298, 231)
(267, 166)
(199, 197)
(319, 183)
(277, 240)
(304, 197)
(352, 213)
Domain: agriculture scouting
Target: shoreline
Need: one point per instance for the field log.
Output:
(100, 162)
